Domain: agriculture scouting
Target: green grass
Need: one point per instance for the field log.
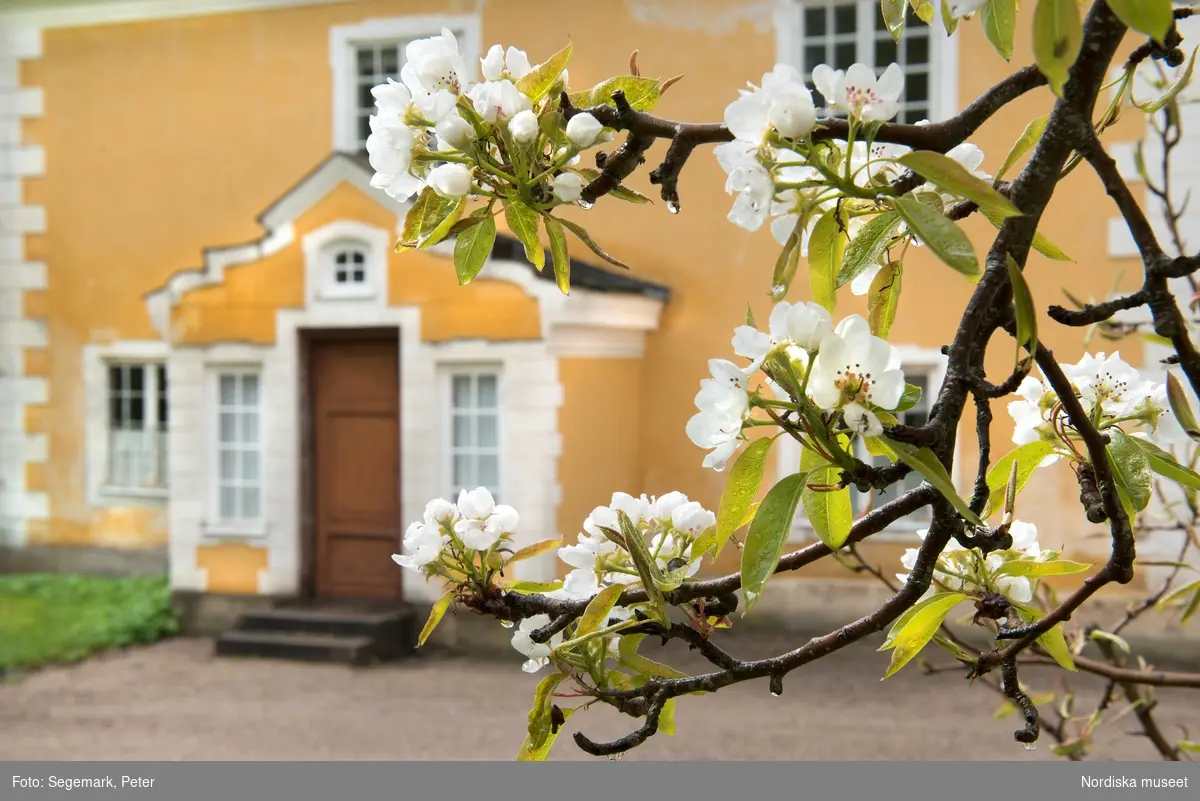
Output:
(49, 619)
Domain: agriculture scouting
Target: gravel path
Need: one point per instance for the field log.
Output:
(176, 701)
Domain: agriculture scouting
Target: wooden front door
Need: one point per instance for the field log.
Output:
(354, 392)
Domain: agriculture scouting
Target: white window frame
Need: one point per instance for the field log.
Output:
(929, 361)
(150, 396)
(943, 49)
(320, 252)
(448, 372)
(345, 39)
(215, 525)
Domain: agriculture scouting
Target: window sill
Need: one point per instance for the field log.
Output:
(245, 531)
(134, 493)
(348, 293)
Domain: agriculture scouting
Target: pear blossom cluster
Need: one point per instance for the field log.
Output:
(845, 372)
(670, 524)
(967, 570)
(437, 127)
(454, 540)
(1112, 393)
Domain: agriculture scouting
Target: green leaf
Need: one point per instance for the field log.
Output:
(1177, 595)
(1034, 569)
(910, 398)
(559, 254)
(629, 657)
(647, 568)
(537, 82)
(868, 247)
(1057, 38)
(473, 248)
(1165, 465)
(1151, 17)
(586, 239)
(1118, 641)
(435, 616)
(941, 235)
(536, 549)
(925, 462)
(785, 266)
(523, 222)
(1181, 406)
(1131, 468)
(430, 218)
(1189, 746)
(1028, 459)
(666, 718)
(884, 297)
(1040, 243)
(1053, 640)
(923, 9)
(1155, 106)
(741, 489)
(595, 615)
(541, 734)
(902, 621)
(642, 93)
(894, 13)
(750, 316)
(919, 630)
(622, 192)
(830, 513)
(954, 178)
(949, 21)
(826, 245)
(521, 585)
(999, 19)
(1026, 142)
(1027, 333)
(768, 533)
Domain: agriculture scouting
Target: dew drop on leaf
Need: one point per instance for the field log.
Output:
(508, 624)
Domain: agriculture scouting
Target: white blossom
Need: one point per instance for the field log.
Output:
(450, 180)
(1108, 381)
(496, 63)
(692, 517)
(723, 403)
(854, 370)
(859, 93)
(390, 143)
(582, 130)
(783, 103)
(538, 654)
(801, 324)
(422, 545)
(524, 127)
(455, 132)
(497, 101)
(483, 522)
(440, 511)
(636, 509)
(435, 73)
(568, 187)
(750, 181)
(1029, 413)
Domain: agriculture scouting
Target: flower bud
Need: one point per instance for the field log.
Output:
(568, 187)
(524, 127)
(582, 130)
(450, 180)
(454, 131)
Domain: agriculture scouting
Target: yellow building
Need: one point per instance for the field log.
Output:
(213, 360)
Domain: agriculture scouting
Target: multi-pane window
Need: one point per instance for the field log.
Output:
(844, 32)
(239, 447)
(916, 416)
(349, 267)
(475, 431)
(137, 426)
(375, 62)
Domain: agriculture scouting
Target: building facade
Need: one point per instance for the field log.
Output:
(213, 362)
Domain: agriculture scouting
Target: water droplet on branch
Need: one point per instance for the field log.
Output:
(586, 204)
(673, 206)
(508, 624)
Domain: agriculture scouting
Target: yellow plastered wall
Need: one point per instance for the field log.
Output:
(195, 125)
(601, 434)
(232, 568)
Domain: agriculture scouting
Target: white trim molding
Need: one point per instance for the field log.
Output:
(320, 247)
(42, 14)
(96, 359)
(344, 39)
(19, 160)
(943, 49)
